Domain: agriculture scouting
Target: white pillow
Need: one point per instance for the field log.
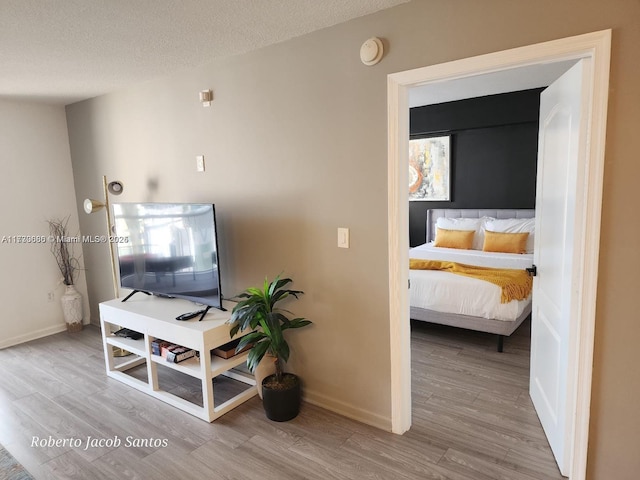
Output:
(458, 223)
(514, 225)
(475, 224)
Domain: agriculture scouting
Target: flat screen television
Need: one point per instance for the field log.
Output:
(169, 249)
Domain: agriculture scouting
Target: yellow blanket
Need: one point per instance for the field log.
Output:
(515, 284)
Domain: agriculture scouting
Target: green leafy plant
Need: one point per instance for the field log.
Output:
(256, 310)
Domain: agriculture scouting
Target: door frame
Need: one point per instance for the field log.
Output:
(595, 46)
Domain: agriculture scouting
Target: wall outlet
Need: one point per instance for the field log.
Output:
(51, 296)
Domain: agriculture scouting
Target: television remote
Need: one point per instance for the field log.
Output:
(189, 315)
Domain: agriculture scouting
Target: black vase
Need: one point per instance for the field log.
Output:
(283, 402)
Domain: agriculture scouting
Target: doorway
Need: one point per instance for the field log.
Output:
(594, 46)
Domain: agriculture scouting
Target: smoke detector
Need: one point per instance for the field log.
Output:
(371, 51)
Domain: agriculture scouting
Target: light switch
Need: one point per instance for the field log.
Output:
(343, 237)
(200, 163)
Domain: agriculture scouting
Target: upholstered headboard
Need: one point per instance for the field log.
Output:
(435, 213)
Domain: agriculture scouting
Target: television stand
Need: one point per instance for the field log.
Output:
(154, 318)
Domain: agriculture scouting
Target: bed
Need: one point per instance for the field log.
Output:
(449, 299)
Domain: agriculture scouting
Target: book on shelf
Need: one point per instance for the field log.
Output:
(228, 350)
(157, 345)
(171, 352)
(180, 354)
(166, 349)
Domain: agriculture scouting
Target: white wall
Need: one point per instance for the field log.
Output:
(37, 184)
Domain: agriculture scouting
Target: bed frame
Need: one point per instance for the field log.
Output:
(499, 327)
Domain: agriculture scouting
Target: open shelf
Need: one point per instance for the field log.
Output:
(192, 367)
(128, 344)
(221, 365)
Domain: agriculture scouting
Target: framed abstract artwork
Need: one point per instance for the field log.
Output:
(430, 169)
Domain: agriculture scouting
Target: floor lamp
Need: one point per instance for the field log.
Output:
(91, 206)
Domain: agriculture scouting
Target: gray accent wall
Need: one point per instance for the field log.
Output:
(494, 148)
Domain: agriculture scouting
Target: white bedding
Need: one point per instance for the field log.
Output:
(451, 293)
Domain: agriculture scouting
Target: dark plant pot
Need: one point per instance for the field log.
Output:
(281, 402)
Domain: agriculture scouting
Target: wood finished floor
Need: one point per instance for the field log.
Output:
(472, 420)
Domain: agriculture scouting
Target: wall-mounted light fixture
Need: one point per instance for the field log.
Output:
(206, 96)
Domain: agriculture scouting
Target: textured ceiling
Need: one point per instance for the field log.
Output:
(62, 51)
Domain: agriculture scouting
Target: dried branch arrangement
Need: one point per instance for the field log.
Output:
(61, 247)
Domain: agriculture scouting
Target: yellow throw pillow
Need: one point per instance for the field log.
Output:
(505, 242)
(454, 238)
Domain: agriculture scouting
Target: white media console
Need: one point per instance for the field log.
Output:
(154, 317)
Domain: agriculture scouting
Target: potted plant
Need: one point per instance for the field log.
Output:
(69, 265)
(256, 310)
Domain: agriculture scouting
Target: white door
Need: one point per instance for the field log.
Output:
(557, 257)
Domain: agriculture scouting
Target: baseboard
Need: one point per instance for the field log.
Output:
(347, 410)
(45, 332)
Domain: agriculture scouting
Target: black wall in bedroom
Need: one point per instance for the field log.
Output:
(494, 145)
